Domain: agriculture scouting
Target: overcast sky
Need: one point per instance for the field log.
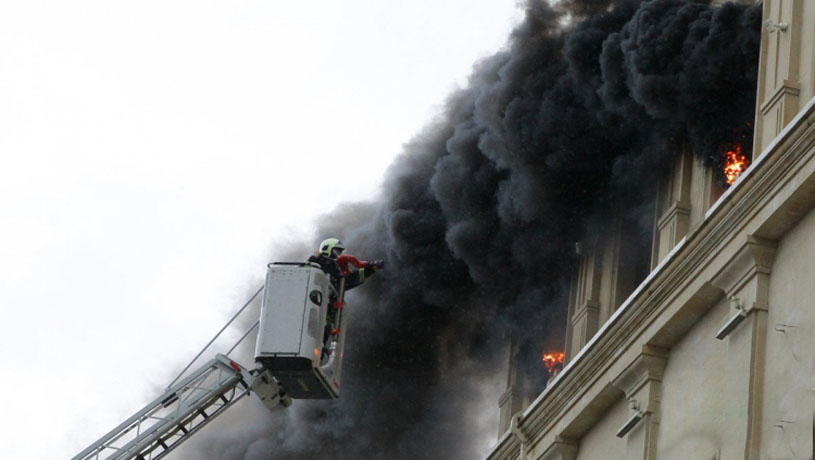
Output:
(153, 154)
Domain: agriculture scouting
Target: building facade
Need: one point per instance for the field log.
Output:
(712, 356)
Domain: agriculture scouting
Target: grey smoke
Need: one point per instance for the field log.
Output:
(555, 138)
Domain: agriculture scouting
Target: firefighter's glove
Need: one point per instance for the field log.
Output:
(378, 264)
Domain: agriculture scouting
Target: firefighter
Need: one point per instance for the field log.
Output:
(336, 264)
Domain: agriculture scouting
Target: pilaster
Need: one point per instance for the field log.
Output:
(584, 308)
(779, 74)
(514, 399)
(673, 208)
(745, 279)
(641, 382)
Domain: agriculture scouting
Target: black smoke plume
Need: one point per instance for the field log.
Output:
(565, 128)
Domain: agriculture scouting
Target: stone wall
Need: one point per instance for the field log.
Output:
(789, 382)
(697, 406)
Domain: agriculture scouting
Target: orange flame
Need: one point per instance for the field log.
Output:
(550, 360)
(734, 164)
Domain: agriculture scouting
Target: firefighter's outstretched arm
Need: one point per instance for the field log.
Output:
(345, 260)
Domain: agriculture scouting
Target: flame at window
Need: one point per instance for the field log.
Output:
(553, 361)
(735, 162)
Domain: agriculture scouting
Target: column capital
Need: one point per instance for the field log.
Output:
(648, 366)
(754, 257)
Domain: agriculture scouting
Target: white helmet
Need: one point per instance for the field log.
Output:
(331, 247)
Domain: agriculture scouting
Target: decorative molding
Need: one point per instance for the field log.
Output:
(589, 306)
(677, 209)
(648, 366)
(507, 448)
(754, 257)
(787, 89)
(560, 449)
(506, 396)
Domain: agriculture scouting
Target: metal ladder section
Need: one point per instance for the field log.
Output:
(182, 410)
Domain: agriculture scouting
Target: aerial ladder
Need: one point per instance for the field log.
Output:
(298, 355)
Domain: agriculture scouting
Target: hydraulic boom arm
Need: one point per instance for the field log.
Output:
(184, 409)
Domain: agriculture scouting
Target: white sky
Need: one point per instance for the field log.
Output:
(151, 154)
